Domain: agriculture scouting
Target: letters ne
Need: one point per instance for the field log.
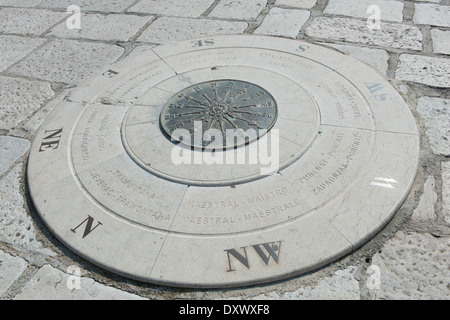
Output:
(51, 140)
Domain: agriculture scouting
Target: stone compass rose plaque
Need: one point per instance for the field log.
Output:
(224, 161)
(220, 105)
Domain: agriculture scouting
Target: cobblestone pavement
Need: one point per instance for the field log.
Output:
(42, 59)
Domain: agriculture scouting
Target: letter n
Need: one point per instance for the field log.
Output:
(241, 258)
(89, 221)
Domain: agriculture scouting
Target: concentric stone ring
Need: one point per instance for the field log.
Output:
(333, 155)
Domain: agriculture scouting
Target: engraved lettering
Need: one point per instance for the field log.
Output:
(342, 169)
(273, 250)
(320, 166)
(302, 48)
(52, 140)
(110, 73)
(374, 87)
(265, 251)
(118, 194)
(201, 43)
(242, 259)
(89, 221)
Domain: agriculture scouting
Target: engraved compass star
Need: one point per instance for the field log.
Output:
(214, 109)
(222, 105)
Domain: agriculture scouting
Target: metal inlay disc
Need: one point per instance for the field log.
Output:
(329, 154)
(242, 109)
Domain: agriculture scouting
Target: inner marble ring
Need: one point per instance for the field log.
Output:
(219, 114)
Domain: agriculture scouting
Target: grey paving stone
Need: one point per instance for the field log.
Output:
(446, 192)
(28, 21)
(20, 3)
(413, 266)
(356, 31)
(426, 210)
(389, 10)
(376, 58)
(167, 29)
(32, 124)
(11, 149)
(14, 48)
(283, 22)
(192, 8)
(238, 9)
(19, 99)
(432, 14)
(432, 71)
(436, 113)
(11, 268)
(90, 5)
(434, 1)
(17, 227)
(112, 27)
(441, 41)
(306, 4)
(51, 284)
(341, 286)
(68, 61)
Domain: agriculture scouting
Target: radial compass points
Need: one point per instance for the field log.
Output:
(220, 105)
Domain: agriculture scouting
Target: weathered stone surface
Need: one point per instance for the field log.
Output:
(341, 286)
(11, 149)
(11, 269)
(19, 99)
(446, 192)
(434, 1)
(167, 29)
(425, 211)
(389, 10)
(238, 9)
(193, 8)
(32, 124)
(376, 58)
(307, 4)
(436, 113)
(51, 284)
(28, 21)
(67, 61)
(17, 227)
(351, 30)
(441, 41)
(90, 5)
(20, 3)
(432, 14)
(432, 71)
(413, 266)
(283, 22)
(14, 48)
(98, 27)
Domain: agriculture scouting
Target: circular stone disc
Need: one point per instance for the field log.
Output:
(219, 105)
(312, 153)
